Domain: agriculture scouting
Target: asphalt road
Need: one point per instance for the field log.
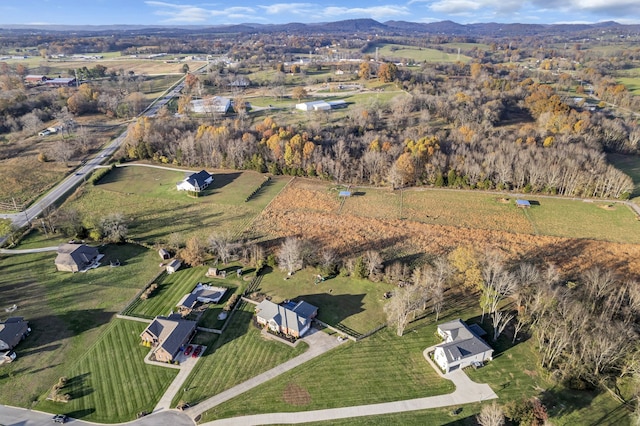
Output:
(67, 185)
(10, 416)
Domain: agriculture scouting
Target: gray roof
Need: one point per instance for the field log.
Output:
(206, 293)
(76, 254)
(175, 264)
(171, 332)
(188, 301)
(464, 342)
(282, 316)
(12, 331)
(305, 310)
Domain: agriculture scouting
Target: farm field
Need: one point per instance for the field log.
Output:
(419, 54)
(110, 382)
(24, 178)
(239, 354)
(310, 209)
(156, 209)
(66, 312)
(171, 288)
(345, 302)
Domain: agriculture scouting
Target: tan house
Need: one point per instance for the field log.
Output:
(76, 257)
(292, 318)
(167, 335)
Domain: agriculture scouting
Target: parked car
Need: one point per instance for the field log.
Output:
(188, 351)
(44, 133)
(60, 418)
(197, 351)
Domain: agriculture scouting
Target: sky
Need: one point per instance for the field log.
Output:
(211, 12)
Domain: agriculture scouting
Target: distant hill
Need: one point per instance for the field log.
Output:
(369, 26)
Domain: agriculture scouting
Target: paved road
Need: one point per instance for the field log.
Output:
(467, 391)
(25, 251)
(319, 343)
(12, 416)
(67, 185)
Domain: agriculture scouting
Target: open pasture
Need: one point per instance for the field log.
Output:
(418, 54)
(156, 209)
(110, 382)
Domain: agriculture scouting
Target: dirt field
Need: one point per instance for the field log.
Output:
(25, 178)
(309, 209)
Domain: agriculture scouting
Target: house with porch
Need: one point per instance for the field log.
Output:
(291, 318)
(463, 346)
(76, 257)
(167, 336)
(196, 182)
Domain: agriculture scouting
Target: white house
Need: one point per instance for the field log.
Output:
(210, 105)
(173, 266)
(196, 182)
(462, 346)
(293, 319)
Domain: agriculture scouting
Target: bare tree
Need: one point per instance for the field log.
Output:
(31, 122)
(491, 415)
(500, 320)
(290, 255)
(373, 262)
(222, 245)
(63, 150)
(114, 228)
(328, 261)
(403, 303)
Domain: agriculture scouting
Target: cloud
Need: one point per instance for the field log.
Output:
(375, 12)
(191, 14)
(602, 8)
(467, 7)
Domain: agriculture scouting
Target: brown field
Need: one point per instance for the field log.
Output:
(137, 65)
(24, 178)
(350, 234)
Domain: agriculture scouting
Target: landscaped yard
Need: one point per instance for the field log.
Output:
(110, 382)
(344, 302)
(238, 355)
(67, 312)
(172, 287)
(156, 209)
(381, 368)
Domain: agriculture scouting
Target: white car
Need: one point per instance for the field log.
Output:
(44, 132)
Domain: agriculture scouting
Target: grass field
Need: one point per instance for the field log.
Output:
(381, 368)
(110, 382)
(577, 219)
(418, 54)
(343, 301)
(67, 312)
(630, 164)
(171, 288)
(156, 209)
(239, 354)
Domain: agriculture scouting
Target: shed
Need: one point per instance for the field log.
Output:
(173, 266)
(344, 194)
(164, 254)
(523, 204)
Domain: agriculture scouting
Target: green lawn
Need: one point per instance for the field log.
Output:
(577, 219)
(342, 301)
(238, 355)
(630, 164)
(419, 54)
(381, 368)
(110, 382)
(171, 288)
(156, 209)
(436, 417)
(67, 312)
